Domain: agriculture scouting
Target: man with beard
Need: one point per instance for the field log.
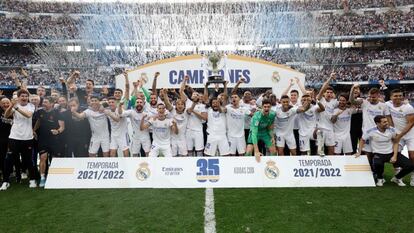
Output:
(50, 124)
(371, 108)
(178, 141)
(197, 114)
(140, 138)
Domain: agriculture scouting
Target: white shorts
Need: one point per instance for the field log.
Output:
(194, 139)
(98, 142)
(304, 143)
(121, 142)
(237, 144)
(217, 142)
(137, 143)
(407, 142)
(343, 144)
(328, 137)
(157, 150)
(179, 147)
(288, 139)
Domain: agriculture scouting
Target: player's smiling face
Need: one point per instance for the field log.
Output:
(235, 99)
(342, 101)
(180, 106)
(397, 98)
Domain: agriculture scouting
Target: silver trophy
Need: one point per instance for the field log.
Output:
(213, 62)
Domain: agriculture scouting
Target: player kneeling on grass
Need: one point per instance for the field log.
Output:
(161, 132)
(261, 128)
(385, 149)
(50, 124)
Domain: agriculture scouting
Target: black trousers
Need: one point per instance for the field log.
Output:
(77, 147)
(379, 160)
(19, 148)
(355, 136)
(3, 151)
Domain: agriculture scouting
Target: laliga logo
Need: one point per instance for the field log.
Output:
(275, 77)
(271, 171)
(143, 172)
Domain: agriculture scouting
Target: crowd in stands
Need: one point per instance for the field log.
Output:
(65, 27)
(295, 5)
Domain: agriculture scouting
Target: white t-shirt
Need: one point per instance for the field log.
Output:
(98, 122)
(342, 126)
(235, 120)
(195, 123)
(161, 131)
(324, 121)
(118, 128)
(398, 115)
(370, 111)
(247, 118)
(216, 123)
(182, 120)
(381, 143)
(135, 118)
(307, 121)
(284, 121)
(22, 126)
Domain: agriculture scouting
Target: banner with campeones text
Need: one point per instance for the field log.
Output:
(256, 72)
(215, 172)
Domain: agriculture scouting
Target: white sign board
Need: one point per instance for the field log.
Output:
(257, 73)
(216, 172)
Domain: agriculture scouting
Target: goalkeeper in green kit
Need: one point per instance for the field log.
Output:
(261, 128)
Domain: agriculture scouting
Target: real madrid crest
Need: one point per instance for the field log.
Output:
(143, 172)
(275, 76)
(271, 171)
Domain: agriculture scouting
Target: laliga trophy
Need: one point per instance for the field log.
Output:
(213, 61)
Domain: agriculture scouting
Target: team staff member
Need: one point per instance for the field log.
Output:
(50, 124)
(21, 136)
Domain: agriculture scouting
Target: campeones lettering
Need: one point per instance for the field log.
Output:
(197, 76)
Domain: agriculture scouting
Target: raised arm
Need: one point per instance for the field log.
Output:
(166, 100)
(154, 84)
(174, 127)
(126, 92)
(205, 94)
(286, 91)
(183, 96)
(301, 86)
(16, 80)
(73, 76)
(325, 86)
(225, 93)
(236, 87)
(352, 98)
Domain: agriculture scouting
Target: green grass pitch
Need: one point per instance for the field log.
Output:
(386, 209)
